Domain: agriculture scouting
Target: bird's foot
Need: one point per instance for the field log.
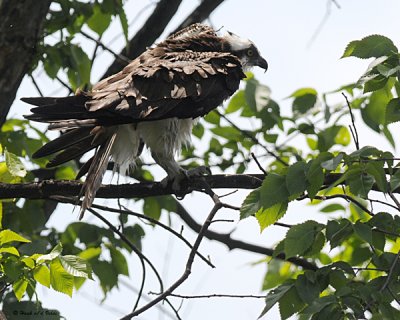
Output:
(183, 176)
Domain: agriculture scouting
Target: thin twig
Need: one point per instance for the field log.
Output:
(394, 199)
(141, 256)
(94, 55)
(285, 225)
(258, 163)
(36, 85)
(390, 274)
(65, 85)
(342, 196)
(252, 138)
(156, 222)
(189, 263)
(213, 295)
(354, 131)
(118, 56)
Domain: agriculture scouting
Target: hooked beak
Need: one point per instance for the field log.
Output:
(262, 63)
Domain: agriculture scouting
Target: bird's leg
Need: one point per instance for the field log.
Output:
(175, 173)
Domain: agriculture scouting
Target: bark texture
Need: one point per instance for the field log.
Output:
(20, 30)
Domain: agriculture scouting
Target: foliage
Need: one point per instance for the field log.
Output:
(307, 156)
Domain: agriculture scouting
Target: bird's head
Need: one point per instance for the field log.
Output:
(245, 50)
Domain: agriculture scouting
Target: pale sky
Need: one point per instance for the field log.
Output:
(282, 31)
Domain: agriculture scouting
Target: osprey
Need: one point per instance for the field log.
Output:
(153, 101)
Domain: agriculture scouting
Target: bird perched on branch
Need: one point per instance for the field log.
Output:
(153, 101)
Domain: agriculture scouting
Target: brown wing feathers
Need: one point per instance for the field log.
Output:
(185, 76)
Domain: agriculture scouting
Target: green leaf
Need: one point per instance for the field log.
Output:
(61, 280)
(275, 295)
(364, 231)
(392, 111)
(333, 163)
(360, 183)
(270, 215)
(65, 173)
(296, 178)
(152, 208)
(337, 279)
(236, 102)
(305, 99)
(332, 208)
(212, 117)
(300, 238)
(375, 169)
(76, 266)
(307, 290)
(250, 94)
(290, 304)
(315, 175)
(251, 204)
(1, 210)
(7, 236)
(366, 151)
(229, 133)
(198, 130)
(318, 304)
(119, 261)
(327, 138)
(42, 275)
(14, 165)
(124, 23)
(343, 136)
(338, 231)
(10, 250)
(369, 47)
(19, 288)
(273, 190)
(106, 273)
(395, 180)
(52, 255)
(378, 240)
(79, 76)
(277, 273)
(90, 253)
(374, 111)
(99, 21)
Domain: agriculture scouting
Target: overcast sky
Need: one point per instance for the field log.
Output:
(283, 31)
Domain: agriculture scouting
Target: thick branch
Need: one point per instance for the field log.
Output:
(52, 188)
(20, 28)
(199, 14)
(231, 243)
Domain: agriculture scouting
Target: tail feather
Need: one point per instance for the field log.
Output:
(62, 142)
(85, 130)
(73, 152)
(49, 109)
(96, 172)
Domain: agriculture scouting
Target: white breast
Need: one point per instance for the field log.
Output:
(162, 136)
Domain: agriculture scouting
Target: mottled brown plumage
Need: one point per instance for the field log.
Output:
(152, 101)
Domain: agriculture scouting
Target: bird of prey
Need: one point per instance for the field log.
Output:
(153, 101)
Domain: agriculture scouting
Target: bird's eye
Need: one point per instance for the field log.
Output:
(250, 52)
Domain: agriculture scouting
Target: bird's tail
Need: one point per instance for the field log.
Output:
(81, 133)
(98, 166)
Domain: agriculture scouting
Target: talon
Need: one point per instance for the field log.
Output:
(198, 172)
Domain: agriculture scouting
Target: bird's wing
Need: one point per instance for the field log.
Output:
(177, 84)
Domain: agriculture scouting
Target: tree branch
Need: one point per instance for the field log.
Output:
(189, 263)
(231, 243)
(202, 12)
(52, 188)
(20, 29)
